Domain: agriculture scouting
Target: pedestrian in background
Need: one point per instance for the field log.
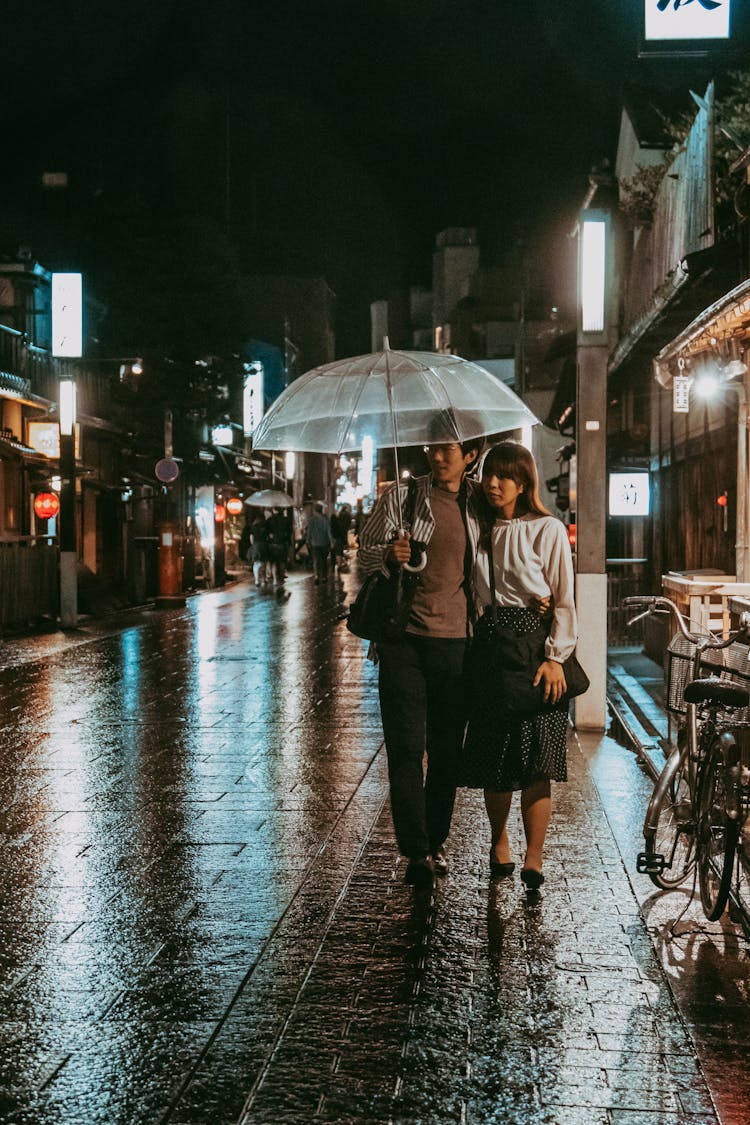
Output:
(319, 542)
(244, 546)
(340, 524)
(421, 674)
(259, 548)
(531, 562)
(280, 539)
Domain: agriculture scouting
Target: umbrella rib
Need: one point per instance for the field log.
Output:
(447, 397)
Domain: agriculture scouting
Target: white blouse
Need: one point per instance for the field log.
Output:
(532, 560)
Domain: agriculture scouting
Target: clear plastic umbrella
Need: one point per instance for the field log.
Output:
(269, 498)
(393, 398)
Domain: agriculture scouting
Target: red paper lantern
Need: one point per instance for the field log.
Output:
(46, 505)
(572, 536)
(220, 513)
(234, 506)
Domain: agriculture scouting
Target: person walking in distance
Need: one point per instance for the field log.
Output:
(259, 548)
(523, 561)
(319, 542)
(420, 674)
(280, 537)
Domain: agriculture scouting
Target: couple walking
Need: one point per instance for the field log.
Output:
(491, 547)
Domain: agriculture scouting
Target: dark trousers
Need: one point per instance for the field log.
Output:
(320, 561)
(422, 703)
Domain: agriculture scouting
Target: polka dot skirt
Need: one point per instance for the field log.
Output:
(506, 753)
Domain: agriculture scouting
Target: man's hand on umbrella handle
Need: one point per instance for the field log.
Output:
(399, 550)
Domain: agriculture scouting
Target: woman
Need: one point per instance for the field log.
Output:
(505, 753)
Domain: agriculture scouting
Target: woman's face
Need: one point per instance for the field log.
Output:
(501, 493)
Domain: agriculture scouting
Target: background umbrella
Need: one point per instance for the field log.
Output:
(269, 498)
(396, 399)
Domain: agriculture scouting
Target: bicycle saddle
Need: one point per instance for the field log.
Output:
(713, 690)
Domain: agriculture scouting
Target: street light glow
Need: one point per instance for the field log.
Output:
(707, 385)
(593, 273)
(67, 406)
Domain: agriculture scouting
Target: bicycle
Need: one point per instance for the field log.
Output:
(702, 795)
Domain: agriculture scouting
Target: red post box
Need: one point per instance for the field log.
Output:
(170, 567)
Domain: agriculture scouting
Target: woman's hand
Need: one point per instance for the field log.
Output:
(553, 676)
(399, 551)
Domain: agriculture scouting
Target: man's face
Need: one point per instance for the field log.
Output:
(448, 464)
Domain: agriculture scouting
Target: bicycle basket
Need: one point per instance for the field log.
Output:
(679, 671)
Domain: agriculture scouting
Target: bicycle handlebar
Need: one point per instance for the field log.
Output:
(651, 602)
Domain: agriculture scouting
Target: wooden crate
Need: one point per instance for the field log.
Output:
(704, 598)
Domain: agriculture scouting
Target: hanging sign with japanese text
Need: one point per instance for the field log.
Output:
(681, 394)
(686, 19)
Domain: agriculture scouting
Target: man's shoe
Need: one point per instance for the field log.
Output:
(440, 862)
(420, 873)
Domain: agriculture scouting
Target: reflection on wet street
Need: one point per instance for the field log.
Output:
(204, 920)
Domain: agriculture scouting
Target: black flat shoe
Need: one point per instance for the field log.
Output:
(531, 879)
(500, 870)
(440, 862)
(420, 873)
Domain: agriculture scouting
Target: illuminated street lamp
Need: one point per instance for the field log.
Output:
(591, 459)
(67, 342)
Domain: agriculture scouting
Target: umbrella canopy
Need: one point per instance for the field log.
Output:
(269, 498)
(393, 398)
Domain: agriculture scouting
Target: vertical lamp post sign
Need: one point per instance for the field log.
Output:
(67, 343)
(591, 458)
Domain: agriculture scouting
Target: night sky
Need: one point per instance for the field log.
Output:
(332, 138)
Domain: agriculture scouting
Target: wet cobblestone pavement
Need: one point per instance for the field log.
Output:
(204, 920)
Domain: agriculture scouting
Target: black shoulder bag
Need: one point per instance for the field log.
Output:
(380, 611)
(504, 663)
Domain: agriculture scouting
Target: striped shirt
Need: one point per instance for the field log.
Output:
(383, 525)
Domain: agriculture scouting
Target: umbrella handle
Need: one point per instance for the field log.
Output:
(420, 565)
(422, 558)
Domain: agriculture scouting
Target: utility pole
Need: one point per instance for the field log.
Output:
(594, 271)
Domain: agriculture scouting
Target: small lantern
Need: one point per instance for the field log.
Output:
(46, 505)
(220, 513)
(234, 506)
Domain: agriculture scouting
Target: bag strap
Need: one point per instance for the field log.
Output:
(493, 592)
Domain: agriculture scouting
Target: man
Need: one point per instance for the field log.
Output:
(281, 538)
(420, 675)
(319, 542)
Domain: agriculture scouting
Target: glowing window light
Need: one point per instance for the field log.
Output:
(593, 274)
(290, 462)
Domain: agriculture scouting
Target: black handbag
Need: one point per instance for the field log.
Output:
(503, 664)
(380, 611)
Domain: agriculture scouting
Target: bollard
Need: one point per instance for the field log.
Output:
(170, 568)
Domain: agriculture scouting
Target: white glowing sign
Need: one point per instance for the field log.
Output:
(687, 19)
(44, 437)
(593, 273)
(252, 397)
(629, 494)
(67, 314)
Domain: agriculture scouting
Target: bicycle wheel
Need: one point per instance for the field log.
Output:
(717, 835)
(669, 827)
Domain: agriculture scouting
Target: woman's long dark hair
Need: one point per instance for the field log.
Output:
(511, 461)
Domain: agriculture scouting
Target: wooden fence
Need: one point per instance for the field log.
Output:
(28, 582)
